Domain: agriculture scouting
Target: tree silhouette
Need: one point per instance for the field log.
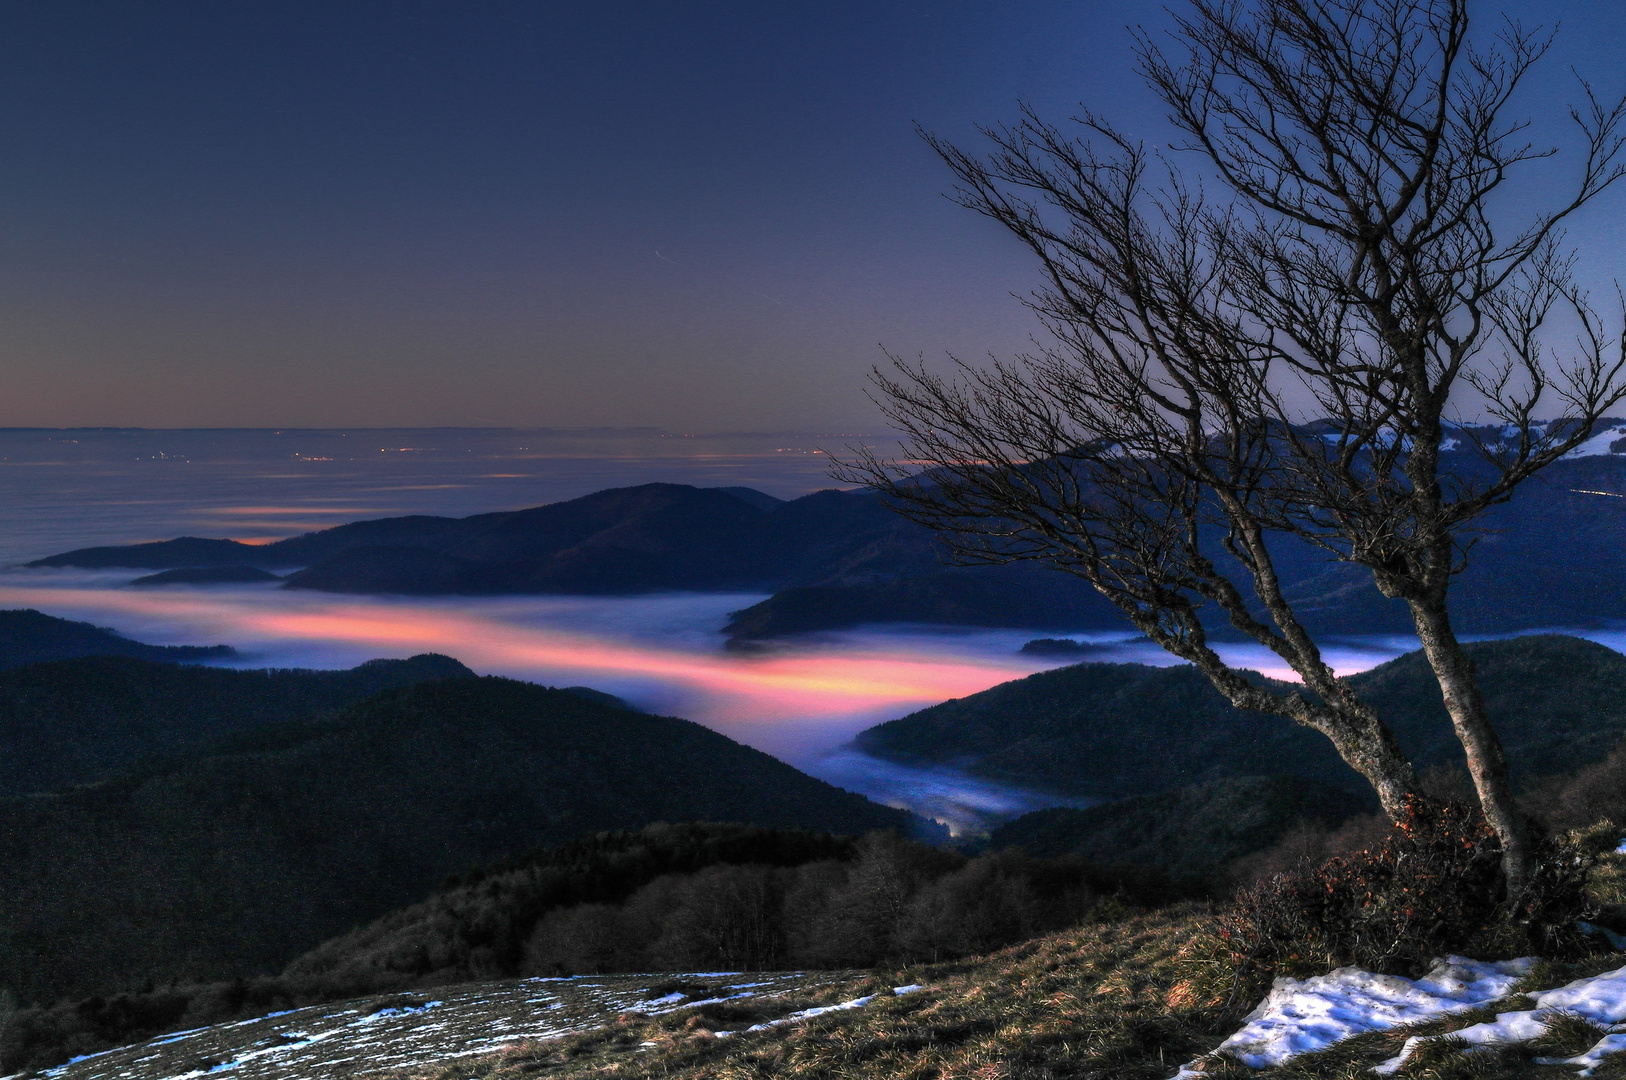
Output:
(1222, 375)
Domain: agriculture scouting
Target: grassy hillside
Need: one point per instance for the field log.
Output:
(674, 898)
(214, 866)
(1099, 1001)
(29, 637)
(1120, 730)
(79, 721)
(1126, 1000)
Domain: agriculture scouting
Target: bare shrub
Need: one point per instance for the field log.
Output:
(861, 917)
(1434, 885)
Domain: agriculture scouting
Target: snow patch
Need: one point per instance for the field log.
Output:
(1598, 444)
(1303, 1016)
(1600, 999)
(1300, 1016)
(1609, 1044)
(669, 999)
(855, 1003)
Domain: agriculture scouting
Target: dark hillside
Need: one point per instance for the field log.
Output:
(207, 575)
(78, 721)
(1118, 730)
(478, 928)
(28, 637)
(1558, 702)
(1194, 831)
(1103, 730)
(1029, 597)
(211, 867)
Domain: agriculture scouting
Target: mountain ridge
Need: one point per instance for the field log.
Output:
(1557, 702)
(1555, 556)
(28, 636)
(85, 720)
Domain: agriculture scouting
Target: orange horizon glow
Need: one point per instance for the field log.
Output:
(797, 702)
(740, 692)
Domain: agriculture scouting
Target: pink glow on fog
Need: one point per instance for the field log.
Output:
(662, 653)
(789, 703)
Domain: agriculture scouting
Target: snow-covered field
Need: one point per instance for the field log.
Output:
(399, 1030)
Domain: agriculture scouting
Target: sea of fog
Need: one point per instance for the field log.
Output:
(801, 702)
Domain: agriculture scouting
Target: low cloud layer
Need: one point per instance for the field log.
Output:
(801, 702)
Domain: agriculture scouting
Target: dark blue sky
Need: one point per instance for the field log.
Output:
(699, 216)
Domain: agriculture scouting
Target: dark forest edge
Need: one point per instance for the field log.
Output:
(29, 637)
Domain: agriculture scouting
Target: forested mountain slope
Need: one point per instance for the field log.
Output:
(1117, 730)
(78, 721)
(1192, 831)
(29, 637)
(232, 863)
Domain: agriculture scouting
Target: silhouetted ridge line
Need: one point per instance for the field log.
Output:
(834, 559)
(29, 637)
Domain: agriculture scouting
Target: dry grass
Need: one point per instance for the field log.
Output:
(1128, 999)
(1132, 999)
(1110, 1000)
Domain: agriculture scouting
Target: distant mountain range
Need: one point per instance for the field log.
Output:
(1116, 731)
(1554, 556)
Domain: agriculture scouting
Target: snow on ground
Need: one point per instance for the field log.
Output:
(1299, 1016)
(1600, 999)
(400, 1030)
(1598, 445)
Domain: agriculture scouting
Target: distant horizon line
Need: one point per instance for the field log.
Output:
(598, 430)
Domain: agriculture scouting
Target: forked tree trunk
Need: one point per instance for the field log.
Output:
(1486, 763)
(1371, 749)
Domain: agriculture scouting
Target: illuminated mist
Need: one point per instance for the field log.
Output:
(801, 703)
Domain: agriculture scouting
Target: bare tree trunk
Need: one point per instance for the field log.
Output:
(1364, 742)
(1486, 762)
(1371, 749)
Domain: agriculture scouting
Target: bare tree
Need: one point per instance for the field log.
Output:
(1221, 376)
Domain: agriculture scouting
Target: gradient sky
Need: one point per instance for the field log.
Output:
(698, 216)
